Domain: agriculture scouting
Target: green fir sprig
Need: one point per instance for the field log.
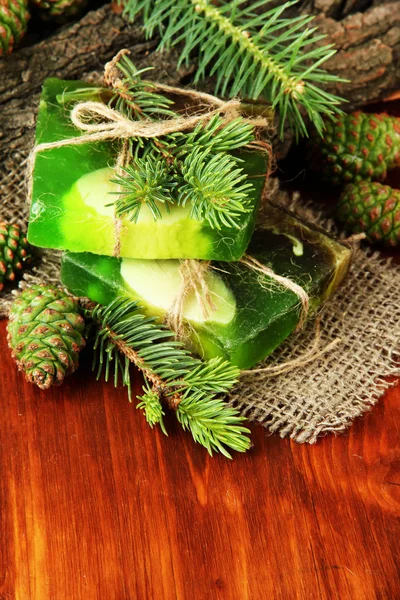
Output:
(199, 168)
(252, 49)
(215, 188)
(146, 181)
(135, 98)
(173, 377)
(181, 168)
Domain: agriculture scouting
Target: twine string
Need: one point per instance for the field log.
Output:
(311, 355)
(285, 282)
(193, 280)
(122, 161)
(101, 123)
(193, 275)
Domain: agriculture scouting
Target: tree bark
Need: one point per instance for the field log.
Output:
(368, 54)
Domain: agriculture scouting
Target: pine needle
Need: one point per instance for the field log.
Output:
(252, 50)
(173, 377)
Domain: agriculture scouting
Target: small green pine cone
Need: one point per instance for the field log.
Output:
(373, 209)
(45, 334)
(14, 252)
(59, 10)
(356, 147)
(14, 18)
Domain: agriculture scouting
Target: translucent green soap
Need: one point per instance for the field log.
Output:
(251, 314)
(71, 188)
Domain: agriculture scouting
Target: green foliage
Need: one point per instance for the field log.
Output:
(215, 376)
(213, 136)
(135, 98)
(215, 187)
(212, 423)
(108, 361)
(194, 167)
(144, 181)
(251, 49)
(172, 375)
(181, 168)
(152, 407)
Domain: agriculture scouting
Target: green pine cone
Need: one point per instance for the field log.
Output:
(14, 252)
(356, 147)
(59, 10)
(371, 208)
(45, 334)
(14, 18)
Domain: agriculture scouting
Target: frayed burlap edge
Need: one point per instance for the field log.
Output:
(323, 396)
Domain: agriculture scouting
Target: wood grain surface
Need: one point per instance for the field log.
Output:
(97, 506)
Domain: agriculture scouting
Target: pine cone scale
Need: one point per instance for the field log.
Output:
(14, 252)
(45, 333)
(14, 17)
(372, 208)
(356, 147)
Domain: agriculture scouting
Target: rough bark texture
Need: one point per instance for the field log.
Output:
(368, 53)
(79, 51)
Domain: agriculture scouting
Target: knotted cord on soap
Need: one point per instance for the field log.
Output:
(285, 282)
(100, 122)
(193, 280)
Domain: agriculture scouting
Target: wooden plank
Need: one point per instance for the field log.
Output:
(94, 504)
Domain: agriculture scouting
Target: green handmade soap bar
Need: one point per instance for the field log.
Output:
(251, 313)
(71, 190)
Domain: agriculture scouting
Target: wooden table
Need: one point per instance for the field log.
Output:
(97, 506)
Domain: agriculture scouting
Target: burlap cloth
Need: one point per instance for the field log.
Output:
(324, 396)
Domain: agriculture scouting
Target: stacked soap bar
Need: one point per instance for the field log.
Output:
(251, 313)
(72, 191)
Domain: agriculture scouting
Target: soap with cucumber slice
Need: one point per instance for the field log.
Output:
(251, 313)
(72, 192)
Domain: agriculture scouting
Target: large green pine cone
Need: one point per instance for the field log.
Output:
(14, 252)
(59, 10)
(373, 209)
(356, 147)
(14, 18)
(45, 333)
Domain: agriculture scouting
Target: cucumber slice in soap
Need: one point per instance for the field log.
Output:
(156, 284)
(91, 196)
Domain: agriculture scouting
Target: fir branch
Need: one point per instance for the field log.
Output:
(106, 360)
(212, 423)
(215, 376)
(189, 168)
(215, 188)
(251, 50)
(151, 405)
(214, 136)
(199, 166)
(146, 181)
(135, 98)
(186, 384)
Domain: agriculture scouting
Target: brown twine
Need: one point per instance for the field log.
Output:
(309, 356)
(285, 282)
(100, 122)
(122, 161)
(109, 124)
(193, 275)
